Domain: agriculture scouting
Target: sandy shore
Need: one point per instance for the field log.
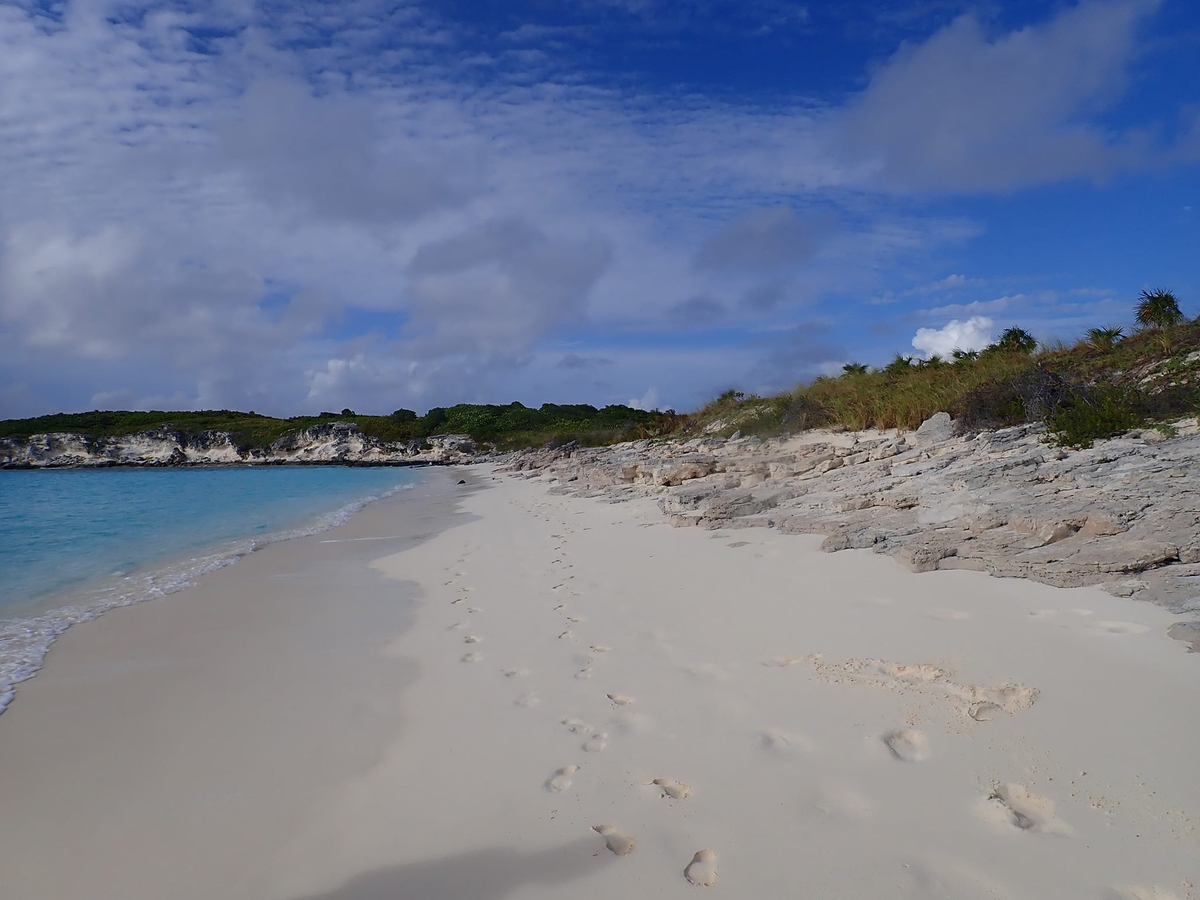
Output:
(343, 718)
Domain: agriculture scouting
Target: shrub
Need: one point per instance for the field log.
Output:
(1105, 338)
(1015, 340)
(853, 368)
(1026, 396)
(1093, 414)
(1158, 309)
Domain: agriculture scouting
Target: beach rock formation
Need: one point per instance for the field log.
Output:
(1124, 514)
(329, 443)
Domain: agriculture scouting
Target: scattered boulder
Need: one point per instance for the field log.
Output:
(937, 428)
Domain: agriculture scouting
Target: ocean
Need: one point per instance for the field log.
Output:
(76, 542)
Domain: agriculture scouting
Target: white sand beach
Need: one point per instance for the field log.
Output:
(542, 696)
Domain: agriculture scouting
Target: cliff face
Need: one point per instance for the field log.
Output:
(1124, 515)
(328, 443)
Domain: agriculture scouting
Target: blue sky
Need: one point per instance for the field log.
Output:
(292, 207)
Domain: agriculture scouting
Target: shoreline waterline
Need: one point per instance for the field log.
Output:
(210, 721)
(28, 632)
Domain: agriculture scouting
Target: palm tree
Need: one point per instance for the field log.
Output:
(964, 356)
(1158, 309)
(1105, 338)
(1016, 340)
(898, 365)
(853, 368)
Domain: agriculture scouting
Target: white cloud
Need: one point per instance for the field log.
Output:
(273, 221)
(949, 283)
(973, 334)
(648, 400)
(968, 110)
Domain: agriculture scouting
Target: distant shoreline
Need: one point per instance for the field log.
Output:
(272, 463)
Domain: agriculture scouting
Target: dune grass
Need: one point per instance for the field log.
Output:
(1102, 385)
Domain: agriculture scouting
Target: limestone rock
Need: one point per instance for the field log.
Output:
(937, 428)
(1001, 502)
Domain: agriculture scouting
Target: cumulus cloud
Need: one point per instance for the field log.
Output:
(973, 334)
(648, 400)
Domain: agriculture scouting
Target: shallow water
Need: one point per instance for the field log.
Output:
(75, 542)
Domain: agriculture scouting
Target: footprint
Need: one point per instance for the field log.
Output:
(515, 673)
(1122, 627)
(528, 700)
(785, 742)
(596, 742)
(907, 744)
(566, 636)
(600, 648)
(472, 639)
(702, 870)
(583, 674)
(474, 609)
(574, 620)
(987, 703)
(472, 657)
(1017, 806)
(620, 699)
(916, 673)
(616, 841)
(985, 711)
(560, 780)
(577, 726)
(739, 544)
(676, 790)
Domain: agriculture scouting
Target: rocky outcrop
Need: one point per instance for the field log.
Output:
(1124, 514)
(329, 443)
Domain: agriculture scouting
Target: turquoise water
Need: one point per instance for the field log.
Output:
(75, 542)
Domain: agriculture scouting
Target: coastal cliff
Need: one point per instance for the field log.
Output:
(1124, 514)
(328, 443)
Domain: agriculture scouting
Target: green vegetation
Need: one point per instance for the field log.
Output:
(1101, 386)
(505, 426)
(1104, 338)
(1087, 416)
(1014, 340)
(1158, 309)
